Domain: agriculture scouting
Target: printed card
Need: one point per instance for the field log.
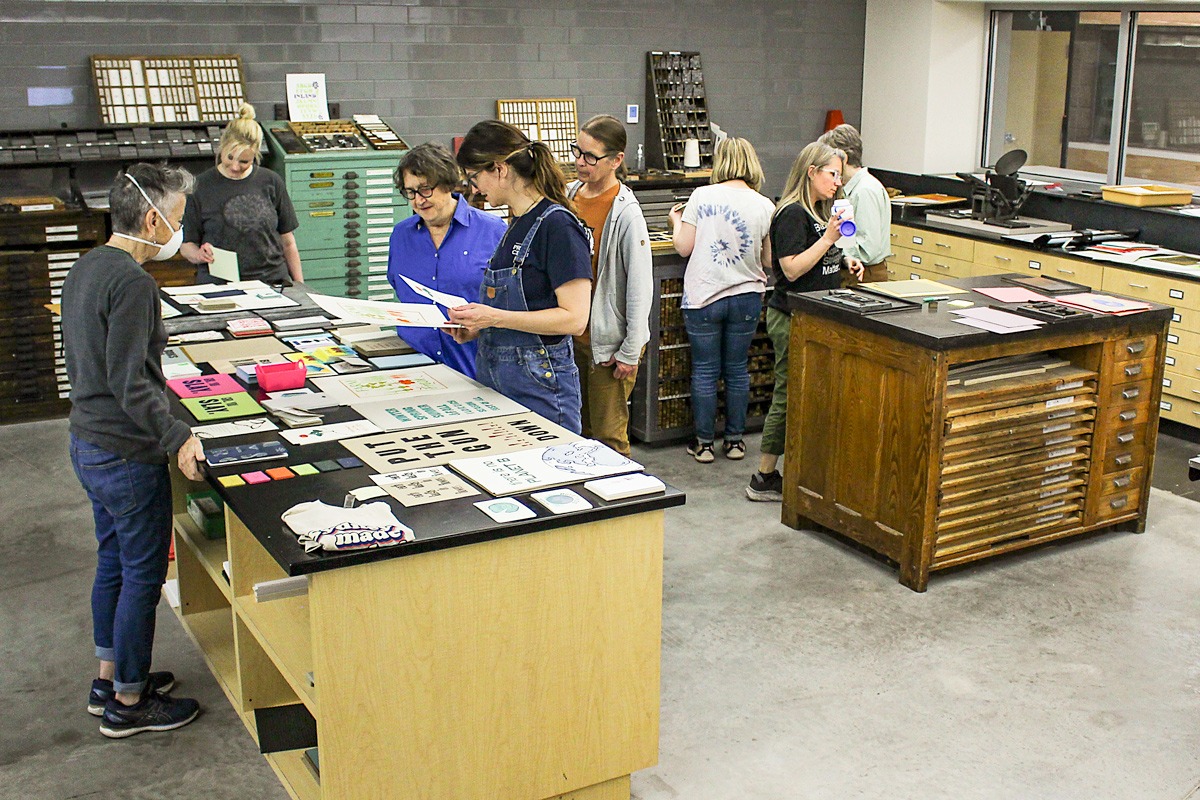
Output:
(204, 386)
(421, 411)
(505, 509)
(416, 487)
(440, 444)
(395, 383)
(561, 501)
(225, 406)
(544, 467)
(221, 430)
(329, 433)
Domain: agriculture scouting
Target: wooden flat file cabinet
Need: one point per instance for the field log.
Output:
(881, 450)
(522, 668)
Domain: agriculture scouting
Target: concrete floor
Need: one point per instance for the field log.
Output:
(793, 666)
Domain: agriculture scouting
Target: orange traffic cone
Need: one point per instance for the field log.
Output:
(833, 118)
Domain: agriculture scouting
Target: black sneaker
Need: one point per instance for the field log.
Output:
(734, 451)
(154, 712)
(701, 451)
(102, 690)
(766, 488)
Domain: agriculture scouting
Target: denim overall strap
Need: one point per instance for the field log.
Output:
(542, 377)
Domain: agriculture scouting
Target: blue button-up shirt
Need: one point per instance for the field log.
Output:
(455, 268)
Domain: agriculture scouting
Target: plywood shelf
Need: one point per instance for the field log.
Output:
(211, 553)
(282, 629)
(296, 774)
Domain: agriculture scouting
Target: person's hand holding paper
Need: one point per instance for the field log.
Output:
(224, 265)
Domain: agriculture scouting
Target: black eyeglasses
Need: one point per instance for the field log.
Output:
(425, 192)
(471, 176)
(591, 159)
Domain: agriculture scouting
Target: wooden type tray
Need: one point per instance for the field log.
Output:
(1032, 456)
(1037, 526)
(552, 120)
(973, 493)
(1033, 452)
(1006, 417)
(1006, 392)
(158, 90)
(988, 518)
(1000, 499)
(1011, 441)
(994, 477)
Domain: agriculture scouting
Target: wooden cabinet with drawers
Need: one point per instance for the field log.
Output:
(921, 253)
(932, 474)
(36, 251)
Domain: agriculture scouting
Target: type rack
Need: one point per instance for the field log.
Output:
(677, 109)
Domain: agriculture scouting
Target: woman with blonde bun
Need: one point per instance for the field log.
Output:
(239, 206)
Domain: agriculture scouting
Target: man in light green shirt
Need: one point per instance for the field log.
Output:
(872, 243)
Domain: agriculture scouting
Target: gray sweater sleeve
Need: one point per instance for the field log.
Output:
(639, 286)
(133, 316)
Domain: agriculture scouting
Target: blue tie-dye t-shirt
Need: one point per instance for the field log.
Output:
(731, 222)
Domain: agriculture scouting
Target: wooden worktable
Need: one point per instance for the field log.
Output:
(882, 451)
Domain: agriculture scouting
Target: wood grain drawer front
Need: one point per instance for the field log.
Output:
(1137, 348)
(1125, 448)
(1131, 392)
(1180, 410)
(1120, 504)
(1183, 342)
(1170, 291)
(1127, 481)
(1020, 527)
(1183, 386)
(1009, 518)
(1076, 270)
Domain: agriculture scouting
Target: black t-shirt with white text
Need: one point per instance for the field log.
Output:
(792, 232)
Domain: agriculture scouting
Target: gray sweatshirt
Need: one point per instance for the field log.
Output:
(624, 289)
(113, 339)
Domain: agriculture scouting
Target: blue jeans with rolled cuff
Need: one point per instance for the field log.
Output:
(720, 336)
(131, 506)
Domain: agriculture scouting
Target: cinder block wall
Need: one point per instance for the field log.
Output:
(432, 69)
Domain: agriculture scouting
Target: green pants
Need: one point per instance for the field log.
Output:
(774, 435)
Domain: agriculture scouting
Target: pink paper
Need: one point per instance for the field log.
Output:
(1012, 294)
(256, 477)
(205, 386)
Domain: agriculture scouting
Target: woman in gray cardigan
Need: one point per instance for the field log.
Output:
(622, 287)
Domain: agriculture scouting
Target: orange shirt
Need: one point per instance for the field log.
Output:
(594, 211)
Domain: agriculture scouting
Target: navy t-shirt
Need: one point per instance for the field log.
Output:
(560, 252)
(792, 232)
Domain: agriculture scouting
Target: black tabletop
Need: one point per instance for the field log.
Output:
(437, 526)
(932, 326)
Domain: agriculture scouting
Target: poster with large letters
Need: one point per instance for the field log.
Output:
(440, 444)
(420, 411)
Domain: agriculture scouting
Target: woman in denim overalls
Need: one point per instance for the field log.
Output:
(536, 291)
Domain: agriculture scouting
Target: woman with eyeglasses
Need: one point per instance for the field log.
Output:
(445, 245)
(239, 206)
(804, 232)
(608, 352)
(722, 231)
(537, 286)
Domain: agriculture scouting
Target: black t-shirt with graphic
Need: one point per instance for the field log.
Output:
(792, 232)
(560, 252)
(245, 216)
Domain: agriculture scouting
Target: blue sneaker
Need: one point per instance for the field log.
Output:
(102, 690)
(154, 712)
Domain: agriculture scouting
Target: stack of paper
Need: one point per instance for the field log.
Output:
(995, 320)
(1102, 303)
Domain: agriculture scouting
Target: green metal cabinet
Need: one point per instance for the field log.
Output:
(347, 204)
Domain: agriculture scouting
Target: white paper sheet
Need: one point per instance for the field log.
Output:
(441, 298)
(225, 265)
(380, 312)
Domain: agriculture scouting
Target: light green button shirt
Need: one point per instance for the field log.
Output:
(872, 242)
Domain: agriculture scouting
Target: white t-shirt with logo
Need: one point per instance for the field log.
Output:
(731, 223)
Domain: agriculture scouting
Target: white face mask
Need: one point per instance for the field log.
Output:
(171, 246)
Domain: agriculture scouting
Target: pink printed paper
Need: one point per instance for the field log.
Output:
(205, 386)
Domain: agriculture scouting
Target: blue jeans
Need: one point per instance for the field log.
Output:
(541, 377)
(720, 335)
(131, 505)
